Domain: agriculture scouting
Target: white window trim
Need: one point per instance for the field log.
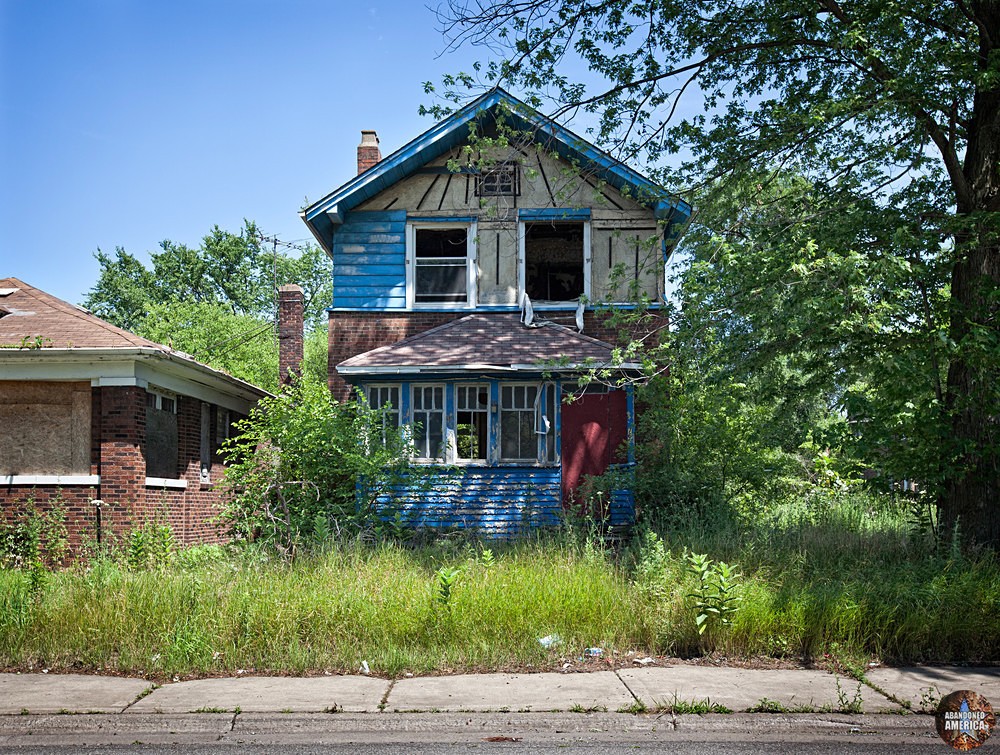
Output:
(165, 482)
(50, 479)
(522, 265)
(471, 265)
(160, 395)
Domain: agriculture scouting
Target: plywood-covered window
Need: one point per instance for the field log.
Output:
(48, 427)
(161, 435)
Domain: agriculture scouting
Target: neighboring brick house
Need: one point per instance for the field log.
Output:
(465, 298)
(90, 412)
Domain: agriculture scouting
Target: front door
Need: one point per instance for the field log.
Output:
(594, 432)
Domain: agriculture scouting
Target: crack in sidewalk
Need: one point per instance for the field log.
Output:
(384, 702)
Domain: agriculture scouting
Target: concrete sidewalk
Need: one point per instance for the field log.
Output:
(678, 688)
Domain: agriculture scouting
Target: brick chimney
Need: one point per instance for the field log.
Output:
(368, 151)
(290, 348)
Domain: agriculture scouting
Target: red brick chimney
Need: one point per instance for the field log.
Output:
(368, 151)
(290, 348)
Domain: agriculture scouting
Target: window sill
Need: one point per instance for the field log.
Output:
(165, 482)
(50, 479)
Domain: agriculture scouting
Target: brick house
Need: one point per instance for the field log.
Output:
(113, 427)
(468, 281)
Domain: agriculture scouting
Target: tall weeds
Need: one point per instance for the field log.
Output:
(843, 577)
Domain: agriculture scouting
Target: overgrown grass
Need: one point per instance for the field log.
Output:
(821, 576)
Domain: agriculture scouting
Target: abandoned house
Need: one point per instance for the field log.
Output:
(115, 429)
(469, 267)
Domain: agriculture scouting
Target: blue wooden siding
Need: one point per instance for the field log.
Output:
(369, 261)
(496, 501)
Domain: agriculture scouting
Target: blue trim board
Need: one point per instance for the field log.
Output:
(553, 213)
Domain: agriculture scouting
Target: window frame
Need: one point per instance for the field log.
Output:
(495, 173)
(446, 425)
(546, 441)
(471, 263)
(397, 408)
(488, 454)
(522, 259)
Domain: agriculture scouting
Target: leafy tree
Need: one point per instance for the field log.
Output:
(304, 467)
(890, 111)
(216, 302)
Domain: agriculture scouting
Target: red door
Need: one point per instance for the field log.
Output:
(594, 430)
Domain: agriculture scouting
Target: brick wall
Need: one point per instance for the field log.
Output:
(116, 448)
(352, 333)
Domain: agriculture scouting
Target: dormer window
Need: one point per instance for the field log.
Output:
(441, 265)
(500, 180)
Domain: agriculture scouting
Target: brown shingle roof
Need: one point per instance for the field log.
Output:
(27, 313)
(485, 340)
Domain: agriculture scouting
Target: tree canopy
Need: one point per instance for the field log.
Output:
(844, 158)
(216, 302)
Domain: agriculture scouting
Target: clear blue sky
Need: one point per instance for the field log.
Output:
(127, 122)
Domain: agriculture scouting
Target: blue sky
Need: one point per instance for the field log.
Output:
(126, 122)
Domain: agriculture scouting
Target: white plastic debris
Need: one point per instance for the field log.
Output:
(643, 661)
(364, 668)
(549, 640)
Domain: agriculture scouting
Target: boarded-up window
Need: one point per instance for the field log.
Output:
(161, 435)
(44, 428)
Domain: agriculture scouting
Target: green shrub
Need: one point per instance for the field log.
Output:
(305, 468)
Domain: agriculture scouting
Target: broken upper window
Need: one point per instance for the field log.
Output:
(500, 180)
(553, 261)
(441, 263)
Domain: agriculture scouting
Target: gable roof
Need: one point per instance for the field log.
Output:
(495, 342)
(43, 337)
(28, 313)
(324, 215)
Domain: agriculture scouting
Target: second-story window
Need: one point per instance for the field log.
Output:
(554, 261)
(442, 265)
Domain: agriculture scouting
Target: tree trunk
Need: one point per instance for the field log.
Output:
(971, 495)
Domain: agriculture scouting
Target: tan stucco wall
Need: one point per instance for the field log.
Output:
(44, 428)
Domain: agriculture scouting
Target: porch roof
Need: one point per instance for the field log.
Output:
(495, 342)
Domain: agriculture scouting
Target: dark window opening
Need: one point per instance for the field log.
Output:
(500, 180)
(441, 266)
(553, 261)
